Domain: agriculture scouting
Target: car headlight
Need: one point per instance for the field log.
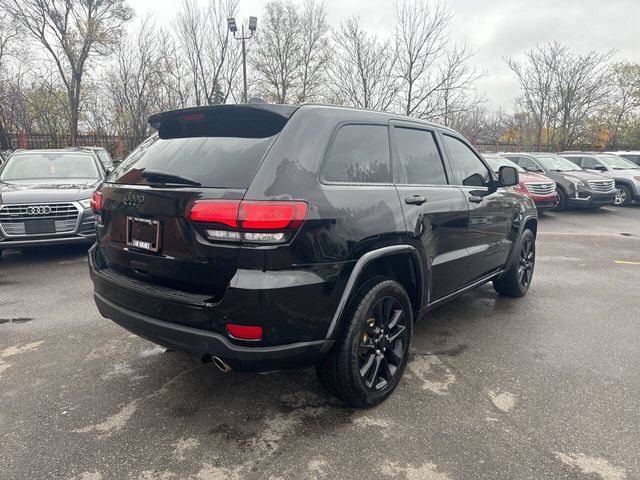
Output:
(577, 183)
(86, 203)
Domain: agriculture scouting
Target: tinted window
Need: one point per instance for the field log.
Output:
(586, 162)
(467, 167)
(419, 157)
(359, 154)
(525, 163)
(227, 162)
(634, 158)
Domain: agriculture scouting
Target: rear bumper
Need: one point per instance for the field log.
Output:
(242, 358)
(294, 309)
(35, 242)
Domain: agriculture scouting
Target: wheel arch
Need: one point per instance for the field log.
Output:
(398, 262)
(530, 222)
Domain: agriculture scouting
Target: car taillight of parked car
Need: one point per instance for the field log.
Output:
(96, 202)
(265, 222)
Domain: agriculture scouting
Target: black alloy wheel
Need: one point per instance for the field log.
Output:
(383, 339)
(526, 263)
(515, 282)
(371, 349)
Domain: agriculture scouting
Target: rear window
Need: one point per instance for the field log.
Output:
(359, 154)
(222, 162)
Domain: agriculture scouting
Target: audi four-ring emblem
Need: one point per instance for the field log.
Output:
(39, 210)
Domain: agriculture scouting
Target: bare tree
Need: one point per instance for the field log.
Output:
(177, 89)
(136, 79)
(47, 106)
(276, 56)
(456, 91)
(206, 41)
(362, 68)
(583, 87)
(8, 35)
(421, 32)
(494, 127)
(315, 50)
(537, 77)
(624, 103)
(72, 32)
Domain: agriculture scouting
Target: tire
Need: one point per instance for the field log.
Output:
(366, 363)
(562, 201)
(623, 196)
(516, 281)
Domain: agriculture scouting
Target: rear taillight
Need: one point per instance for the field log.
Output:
(248, 220)
(219, 211)
(96, 202)
(272, 215)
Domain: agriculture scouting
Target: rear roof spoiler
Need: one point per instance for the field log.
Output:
(256, 120)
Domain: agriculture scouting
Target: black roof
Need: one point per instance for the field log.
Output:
(279, 112)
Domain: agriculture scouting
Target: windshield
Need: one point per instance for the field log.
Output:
(617, 163)
(558, 164)
(55, 167)
(496, 161)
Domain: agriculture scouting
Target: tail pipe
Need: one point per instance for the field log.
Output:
(217, 361)
(221, 364)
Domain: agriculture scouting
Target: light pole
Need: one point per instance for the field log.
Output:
(253, 24)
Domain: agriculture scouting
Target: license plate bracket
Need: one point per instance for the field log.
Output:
(143, 233)
(39, 226)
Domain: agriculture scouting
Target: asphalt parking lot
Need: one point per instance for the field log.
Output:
(543, 387)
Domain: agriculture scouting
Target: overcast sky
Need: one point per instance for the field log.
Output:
(495, 29)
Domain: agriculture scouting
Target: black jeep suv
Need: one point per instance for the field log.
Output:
(271, 236)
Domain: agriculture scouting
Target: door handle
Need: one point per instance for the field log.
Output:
(415, 200)
(475, 199)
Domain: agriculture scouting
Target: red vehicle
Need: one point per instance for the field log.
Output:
(540, 188)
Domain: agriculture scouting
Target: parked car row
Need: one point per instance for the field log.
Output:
(581, 179)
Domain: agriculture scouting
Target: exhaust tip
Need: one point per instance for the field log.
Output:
(221, 364)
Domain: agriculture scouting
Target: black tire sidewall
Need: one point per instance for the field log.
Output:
(562, 200)
(627, 200)
(378, 291)
(526, 234)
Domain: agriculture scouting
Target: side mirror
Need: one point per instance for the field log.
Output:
(600, 168)
(508, 176)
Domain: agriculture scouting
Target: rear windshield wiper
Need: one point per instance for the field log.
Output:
(165, 177)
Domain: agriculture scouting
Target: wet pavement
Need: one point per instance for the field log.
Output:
(547, 386)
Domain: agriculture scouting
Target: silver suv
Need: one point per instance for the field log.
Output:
(625, 173)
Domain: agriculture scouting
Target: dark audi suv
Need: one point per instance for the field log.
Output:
(45, 198)
(271, 236)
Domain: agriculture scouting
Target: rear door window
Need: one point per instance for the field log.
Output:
(419, 157)
(359, 154)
